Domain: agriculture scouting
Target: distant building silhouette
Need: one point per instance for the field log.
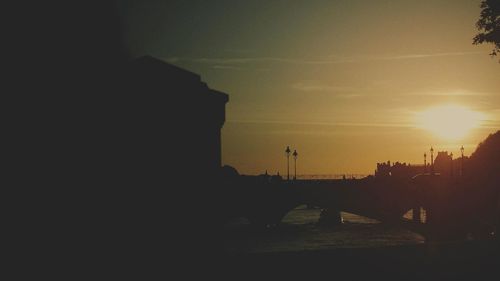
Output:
(446, 166)
(398, 170)
(276, 178)
(267, 178)
(443, 164)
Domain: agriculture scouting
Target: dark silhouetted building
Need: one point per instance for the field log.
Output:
(398, 170)
(110, 159)
(172, 133)
(187, 114)
(443, 164)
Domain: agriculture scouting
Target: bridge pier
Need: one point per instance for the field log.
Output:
(330, 217)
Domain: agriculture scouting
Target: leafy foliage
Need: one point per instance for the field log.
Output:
(489, 25)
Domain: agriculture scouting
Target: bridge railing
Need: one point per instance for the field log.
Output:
(331, 176)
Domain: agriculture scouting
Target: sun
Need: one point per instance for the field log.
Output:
(449, 122)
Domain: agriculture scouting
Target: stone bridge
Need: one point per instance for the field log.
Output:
(265, 203)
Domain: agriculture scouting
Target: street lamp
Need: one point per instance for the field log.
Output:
(287, 151)
(425, 162)
(462, 161)
(451, 164)
(432, 160)
(295, 155)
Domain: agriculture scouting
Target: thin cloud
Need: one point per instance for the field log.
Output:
(320, 61)
(491, 124)
(339, 124)
(244, 60)
(228, 67)
(311, 86)
(455, 93)
(419, 56)
(238, 68)
(338, 91)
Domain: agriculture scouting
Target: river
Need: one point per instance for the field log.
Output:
(299, 231)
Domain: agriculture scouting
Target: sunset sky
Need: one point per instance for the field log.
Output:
(344, 82)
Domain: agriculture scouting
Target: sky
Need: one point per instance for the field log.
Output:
(342, 82)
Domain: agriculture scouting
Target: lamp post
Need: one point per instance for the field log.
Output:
(451, 164)
(295, 155)
(425, 163)
(432, 160)
(462, 161)
(287, 151)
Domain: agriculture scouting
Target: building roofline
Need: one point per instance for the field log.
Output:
(150, 60)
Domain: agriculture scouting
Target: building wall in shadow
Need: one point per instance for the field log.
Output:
(110, 160)
(185, 115)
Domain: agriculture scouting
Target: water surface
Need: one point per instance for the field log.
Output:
(299, 231)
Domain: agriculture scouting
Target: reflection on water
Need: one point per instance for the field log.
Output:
(299, 231)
